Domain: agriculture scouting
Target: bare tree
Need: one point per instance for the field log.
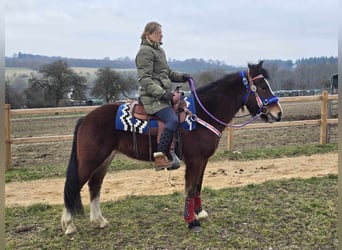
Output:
(13, 96)
(109, 84)
(57, 80)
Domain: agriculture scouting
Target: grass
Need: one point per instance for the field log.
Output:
(58, 171)
(275, 152)
(291, 214)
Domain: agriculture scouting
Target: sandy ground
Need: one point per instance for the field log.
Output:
(148, 182)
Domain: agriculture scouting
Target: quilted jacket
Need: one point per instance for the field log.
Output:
(154, 76)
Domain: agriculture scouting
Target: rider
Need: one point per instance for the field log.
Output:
(155, 77)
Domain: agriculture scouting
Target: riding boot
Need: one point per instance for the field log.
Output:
(161, 160)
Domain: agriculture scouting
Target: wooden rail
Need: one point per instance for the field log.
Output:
(27, 140)
(323, 122)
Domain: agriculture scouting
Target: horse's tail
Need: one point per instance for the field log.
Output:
(72, 189)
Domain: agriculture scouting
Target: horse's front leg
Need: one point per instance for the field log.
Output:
(96, 215)
(189, 215)
(193, 180)
(200, 213)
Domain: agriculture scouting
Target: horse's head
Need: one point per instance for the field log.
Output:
(260, 98)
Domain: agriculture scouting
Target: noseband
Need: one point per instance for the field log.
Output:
(251, 88)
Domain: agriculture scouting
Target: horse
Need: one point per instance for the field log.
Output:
(96, 141)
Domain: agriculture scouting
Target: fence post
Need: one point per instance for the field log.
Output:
(324, 117)
(8, 149)
(230, 137)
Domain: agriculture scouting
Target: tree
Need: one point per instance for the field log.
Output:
(57, 81)
(13, 96)
(35, 98)
(109, 84)
(208, 76)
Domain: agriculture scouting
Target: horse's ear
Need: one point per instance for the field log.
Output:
(256, 67)
(260, 63)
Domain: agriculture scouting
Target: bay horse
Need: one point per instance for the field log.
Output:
(96, 141)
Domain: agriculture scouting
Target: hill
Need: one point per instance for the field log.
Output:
(24, 60)
(34, 62)
(304, 73)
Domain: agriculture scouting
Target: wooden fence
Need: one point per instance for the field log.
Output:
(323, 122)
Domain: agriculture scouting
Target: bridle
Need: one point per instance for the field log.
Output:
(250, 89)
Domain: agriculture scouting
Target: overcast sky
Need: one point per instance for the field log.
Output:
(236, 32)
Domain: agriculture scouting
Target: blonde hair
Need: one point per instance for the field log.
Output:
(149, 29)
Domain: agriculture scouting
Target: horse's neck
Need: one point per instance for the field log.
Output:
(223, 105)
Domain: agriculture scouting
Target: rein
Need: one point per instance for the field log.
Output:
(250, 87)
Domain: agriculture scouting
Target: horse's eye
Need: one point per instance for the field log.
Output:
(262, 88)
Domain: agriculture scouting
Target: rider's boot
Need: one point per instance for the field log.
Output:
(160, 159)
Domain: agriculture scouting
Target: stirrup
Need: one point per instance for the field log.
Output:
(175, 161)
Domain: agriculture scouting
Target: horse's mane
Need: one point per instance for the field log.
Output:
(264, 72)
(214, 85)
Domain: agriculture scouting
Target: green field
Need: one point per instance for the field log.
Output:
(11, 72)
(286, 214)
(292, 214)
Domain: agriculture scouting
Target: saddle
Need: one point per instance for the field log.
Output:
(132, 117)
(138, 111)
(178, 105)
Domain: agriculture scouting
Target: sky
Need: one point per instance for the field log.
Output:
(234, 32)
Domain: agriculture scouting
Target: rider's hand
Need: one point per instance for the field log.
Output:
(186, 77)
(167, 95)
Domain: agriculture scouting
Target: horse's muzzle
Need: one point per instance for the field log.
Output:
(280, 115)
(270, 117)
(274, 118)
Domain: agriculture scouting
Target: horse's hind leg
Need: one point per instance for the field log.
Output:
(95, 184)
(66, 221)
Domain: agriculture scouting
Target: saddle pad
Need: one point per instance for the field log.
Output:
(126, 122)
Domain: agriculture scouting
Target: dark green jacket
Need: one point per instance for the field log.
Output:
(154, 76)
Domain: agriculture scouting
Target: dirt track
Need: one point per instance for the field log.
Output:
(148, 182)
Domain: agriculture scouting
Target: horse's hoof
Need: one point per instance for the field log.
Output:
(71, 229)
(195, 226)
(196, 229)
(104, 223)
(203, 215)
(100, 222)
